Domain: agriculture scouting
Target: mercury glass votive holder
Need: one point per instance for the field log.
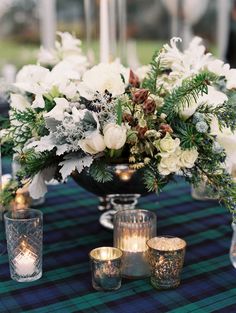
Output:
(166, 259)
(132, 229)
(24, 234)
(106, 268)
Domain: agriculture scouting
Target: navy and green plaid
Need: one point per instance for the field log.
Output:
(71, 230)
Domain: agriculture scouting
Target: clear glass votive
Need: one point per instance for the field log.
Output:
(24, 234)
(132, 229)
(166, 258)
(106, 268)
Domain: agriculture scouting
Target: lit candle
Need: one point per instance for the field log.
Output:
(25, 262)
(134, 244)
(132, 229)
(166, 258)
(106, 268)
(104, 32)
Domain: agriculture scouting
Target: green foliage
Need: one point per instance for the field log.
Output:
(182, 96)
(225, 113)
(119, 112)
(8, 193)
(32, 162)
(187, 134)
(29, 124)
(153, 181)
(100, 172)
(150, 81)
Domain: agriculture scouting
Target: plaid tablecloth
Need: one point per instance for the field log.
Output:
(71, 230)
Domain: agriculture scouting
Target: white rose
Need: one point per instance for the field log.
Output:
(93, 144)
(114, 136)
(188, 157)
(168, 145)
(169, 164)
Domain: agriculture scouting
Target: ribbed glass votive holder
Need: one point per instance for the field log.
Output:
(132, 229)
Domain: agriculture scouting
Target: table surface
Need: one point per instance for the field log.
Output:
(72, 229)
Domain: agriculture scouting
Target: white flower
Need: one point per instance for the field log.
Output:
(212, 98)
(231, 79)
(168, 145)
(19, 102)
(30, 78)
(169, 164)
(188, 157)
(37, 187)
(218, 67)
(47, 57)
(68, 45)
(114, 136)
(100, 78)
(93, 143)
(225, 138)
(57, 112)
(142, 71)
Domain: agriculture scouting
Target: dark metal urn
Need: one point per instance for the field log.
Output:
(125, 181)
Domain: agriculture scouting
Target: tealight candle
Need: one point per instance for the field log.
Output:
(24, 234)
(132, 229)
(166, 258)
(25, 263)
(106, 268)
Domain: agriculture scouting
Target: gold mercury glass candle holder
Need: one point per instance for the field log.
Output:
(106, 268)
(166, 258)
(132, 229)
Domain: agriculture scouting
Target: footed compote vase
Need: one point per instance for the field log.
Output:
(120, 193)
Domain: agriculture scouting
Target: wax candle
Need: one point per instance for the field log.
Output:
(104, 31)
(132, 229)
(166, 258)
(25, 263)
(106, 268)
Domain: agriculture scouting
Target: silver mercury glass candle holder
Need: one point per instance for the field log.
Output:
(106, 268)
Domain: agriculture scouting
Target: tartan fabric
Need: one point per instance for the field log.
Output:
(71, 230)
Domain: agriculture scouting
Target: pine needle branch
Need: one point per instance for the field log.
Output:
(182, 96)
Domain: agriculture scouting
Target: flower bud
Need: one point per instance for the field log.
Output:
(165, 128)
(141, 131)
(114, 136)
(149, 106)
(133, 79)
(93, 144)
(140, 95)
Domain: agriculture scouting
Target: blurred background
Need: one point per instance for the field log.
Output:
(136, 28)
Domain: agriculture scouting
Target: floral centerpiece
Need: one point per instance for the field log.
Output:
(176, 115)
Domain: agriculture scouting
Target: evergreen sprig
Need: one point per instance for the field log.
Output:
(100, 172)
(29, 124)
(153, 181)
(187, 134)
(225, 113)
(151, 79)
(33, 162)
(182, 96)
